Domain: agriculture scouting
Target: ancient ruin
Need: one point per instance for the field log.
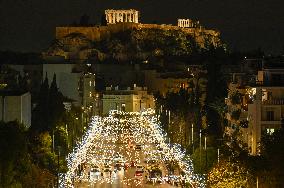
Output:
(187, 23)
(77, 42)
(115, 16)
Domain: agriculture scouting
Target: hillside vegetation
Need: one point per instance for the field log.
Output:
(132, 44)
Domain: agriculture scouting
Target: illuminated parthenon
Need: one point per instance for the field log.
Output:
(115, 16)
(186, 23)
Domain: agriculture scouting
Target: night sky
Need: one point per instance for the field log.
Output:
(29, 25)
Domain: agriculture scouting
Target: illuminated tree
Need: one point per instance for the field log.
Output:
(229, 174)
(18, 166)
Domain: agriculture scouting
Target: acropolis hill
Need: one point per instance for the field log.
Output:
(73, 41)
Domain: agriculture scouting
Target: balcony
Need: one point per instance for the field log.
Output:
(273, 102)
(273, 122)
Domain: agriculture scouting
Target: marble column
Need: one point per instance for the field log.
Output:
(136, 17)
(110, 18)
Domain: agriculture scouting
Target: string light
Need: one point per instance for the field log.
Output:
(103, 134)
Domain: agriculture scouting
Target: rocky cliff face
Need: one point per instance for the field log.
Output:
(132, 43)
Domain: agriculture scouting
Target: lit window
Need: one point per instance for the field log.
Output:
(270, 131)
(90, 83)
(90, 94)
(123, 107)
(94, 83)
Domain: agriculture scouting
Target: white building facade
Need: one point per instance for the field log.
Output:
(130, 100)
(261, 108)
(67, 81)
(265, 116)
(15, 106)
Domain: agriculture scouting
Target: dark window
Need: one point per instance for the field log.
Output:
(270, 115)
(277, 79)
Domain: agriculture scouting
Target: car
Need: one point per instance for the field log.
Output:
(95, 173)
(151, 162)
(133, 163)
(155, 173)
(126, 165)
(139, 173)
(107, 171)
(138, 147)
(107, 162)
(139, 167)
(130, 145)
(139, 170)
(160, 149)
(118, 165)
(107, 167)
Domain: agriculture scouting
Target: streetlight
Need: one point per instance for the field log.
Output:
(200, 148)
(67, 140)
(192, 141)
(53, 143)
(218, 153)
(205, 147)
(58, 165)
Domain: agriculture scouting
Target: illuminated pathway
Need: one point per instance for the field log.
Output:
(117, 147)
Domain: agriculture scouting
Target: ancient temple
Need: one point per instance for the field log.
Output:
(116, 16)
(187, 23)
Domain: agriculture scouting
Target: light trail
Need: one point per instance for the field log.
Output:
(99, 142)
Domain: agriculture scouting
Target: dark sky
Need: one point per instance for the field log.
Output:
(29, 25)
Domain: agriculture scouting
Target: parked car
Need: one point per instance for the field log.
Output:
(139, 171)
(95, 173)
(138, 147)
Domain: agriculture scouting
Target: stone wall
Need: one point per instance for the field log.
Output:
(94, 33)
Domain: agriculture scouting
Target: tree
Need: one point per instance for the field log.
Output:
(14, 153)
(273, 152)
(219, 107)
(208, 159)
(41, 151)
(56, 105)
(16, 160)
(229, 174)
(41, 111)
(236, 98)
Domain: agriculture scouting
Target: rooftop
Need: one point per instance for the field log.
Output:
(12, 92)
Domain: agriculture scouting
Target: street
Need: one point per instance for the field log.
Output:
(128, 150)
